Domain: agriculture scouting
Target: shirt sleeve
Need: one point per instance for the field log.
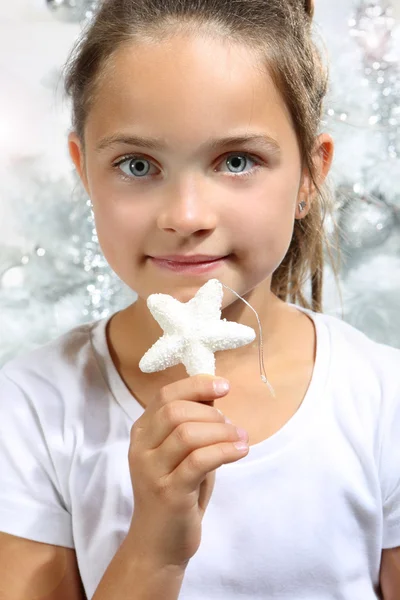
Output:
(31, 505)
(390, 475)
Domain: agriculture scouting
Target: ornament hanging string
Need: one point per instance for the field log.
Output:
(263, 374)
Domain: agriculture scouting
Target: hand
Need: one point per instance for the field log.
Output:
(176, 446)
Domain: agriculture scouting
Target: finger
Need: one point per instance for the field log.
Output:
(172, 415)
(160, 417)
(192, 471)
(188, 437)
(198, 388)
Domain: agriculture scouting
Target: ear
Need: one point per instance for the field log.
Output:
(322, 158)
(77, 155)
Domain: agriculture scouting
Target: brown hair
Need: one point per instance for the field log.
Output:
(282, 31)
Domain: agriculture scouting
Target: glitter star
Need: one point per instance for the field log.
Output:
(193, 331)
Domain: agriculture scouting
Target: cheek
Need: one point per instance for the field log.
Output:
(117, 211)
(266, 220)
(121, 226)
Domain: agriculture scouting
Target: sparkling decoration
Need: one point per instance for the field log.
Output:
(371, 113)
(58, 275)
(73, 11)
(106, 293)
(372, 27)
(366, 221)
(372, 215)
(365, 120)
(193, 331)
(40, 276)
(374, 309)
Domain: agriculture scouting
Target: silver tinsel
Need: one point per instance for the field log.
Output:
(59, 277)
(73, 11)
(368, 205)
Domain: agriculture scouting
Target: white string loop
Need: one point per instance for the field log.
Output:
(263, 374)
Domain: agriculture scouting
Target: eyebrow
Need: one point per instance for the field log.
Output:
(262, 140)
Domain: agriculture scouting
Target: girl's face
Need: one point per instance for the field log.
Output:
(194, 192)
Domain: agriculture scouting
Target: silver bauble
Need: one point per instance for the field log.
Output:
(365, 222)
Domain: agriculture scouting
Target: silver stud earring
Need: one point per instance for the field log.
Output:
(302, 206)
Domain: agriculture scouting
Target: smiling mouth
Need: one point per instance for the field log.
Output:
(193, 259)
(189, 264)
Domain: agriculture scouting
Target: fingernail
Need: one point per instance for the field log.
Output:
(242, 446)
(221, 386)
(226, 418)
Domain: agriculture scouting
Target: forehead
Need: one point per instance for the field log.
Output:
(187, 87)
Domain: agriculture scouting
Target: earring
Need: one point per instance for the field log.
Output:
(302, 206)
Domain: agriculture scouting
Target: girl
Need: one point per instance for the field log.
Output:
(195, 134)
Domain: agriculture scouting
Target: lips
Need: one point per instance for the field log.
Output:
(191, 260)
(190, 265)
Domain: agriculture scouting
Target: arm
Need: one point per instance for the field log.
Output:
(34, 570)
(31, 569)
(132, 575)
(390, 574)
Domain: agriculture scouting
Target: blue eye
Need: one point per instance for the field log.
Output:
(139, 167)
(234, 161)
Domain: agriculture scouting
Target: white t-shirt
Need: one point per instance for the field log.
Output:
(304, 515)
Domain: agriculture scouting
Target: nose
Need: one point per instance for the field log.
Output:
(187, 210)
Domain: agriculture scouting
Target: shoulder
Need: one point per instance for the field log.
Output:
(363, 350)
(359, 365)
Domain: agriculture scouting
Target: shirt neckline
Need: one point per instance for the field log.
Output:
(291, 430)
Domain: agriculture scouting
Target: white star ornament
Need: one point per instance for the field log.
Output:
(193, 331)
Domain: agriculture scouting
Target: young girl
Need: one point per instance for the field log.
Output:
(195, 134)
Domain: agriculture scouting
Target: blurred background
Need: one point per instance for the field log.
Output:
(53, 275)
